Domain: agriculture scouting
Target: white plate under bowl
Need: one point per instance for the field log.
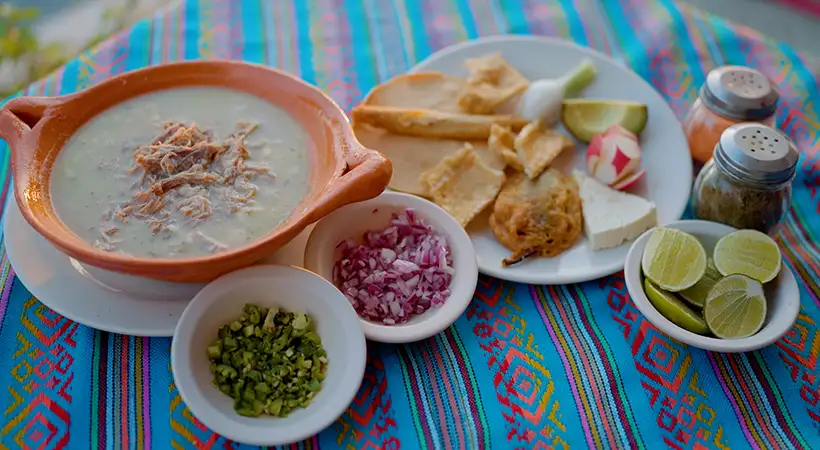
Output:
(782, 295)
(100, 299)
(666, 157)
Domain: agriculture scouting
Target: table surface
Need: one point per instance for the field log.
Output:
(529, 367)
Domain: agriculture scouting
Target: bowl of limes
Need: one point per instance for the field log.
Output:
(712, 286)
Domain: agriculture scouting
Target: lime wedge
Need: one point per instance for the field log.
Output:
(736, 307)
(696, 295)
(675, 310)
(750, 253)
(673, 260)
(585, 118)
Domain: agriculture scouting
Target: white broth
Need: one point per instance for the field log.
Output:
(181, 172)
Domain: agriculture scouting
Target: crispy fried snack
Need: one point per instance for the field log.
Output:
(502, 142)
(431, 123)
(490, 83)
(423, 90)
(537, 218)
(412, 156)
(462, 184)
(538, 146)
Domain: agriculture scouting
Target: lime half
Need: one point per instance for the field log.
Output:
(750, 253)
(736, 307)
(696, 295)
(585, 118)
(675, 310)
(673, 260)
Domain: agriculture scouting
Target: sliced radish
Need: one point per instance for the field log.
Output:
(614, 155)
(629, 182)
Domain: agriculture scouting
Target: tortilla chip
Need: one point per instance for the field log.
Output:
(462, 184)
(424, 90)
(537, 146)
(491, 82)
(411, 156)
(430, 123)
(502, 143)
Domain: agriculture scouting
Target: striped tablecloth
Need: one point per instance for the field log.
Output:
(528, 367)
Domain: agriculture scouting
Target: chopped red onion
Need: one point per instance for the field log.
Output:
(396, 273)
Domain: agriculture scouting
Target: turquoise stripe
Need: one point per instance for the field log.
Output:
(415, 17)
(577, 30)
(459, 384)
(132, 389)
(380, 53)
(631, 48)
(138, 56)
(684, 43)
(191, 34)
(592, 356)
(254, 48)
(156, 44)
(270, 32)
(302, 25)
(159, 394)
(109, 395)
(465, 13)
(517, 18)
(360, 42)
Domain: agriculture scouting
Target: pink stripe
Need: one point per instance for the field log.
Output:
(567, 368)
(811, 6)
(146, 390)
(4, 299)
(740, 422)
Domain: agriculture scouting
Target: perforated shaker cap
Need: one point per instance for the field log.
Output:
(740, 93)
(756, 153)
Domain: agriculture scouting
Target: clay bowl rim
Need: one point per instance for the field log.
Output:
(85, 252)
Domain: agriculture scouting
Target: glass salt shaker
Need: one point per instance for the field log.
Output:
(747, 183)
(730, 95)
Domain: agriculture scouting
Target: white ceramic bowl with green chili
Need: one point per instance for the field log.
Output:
(259, 350)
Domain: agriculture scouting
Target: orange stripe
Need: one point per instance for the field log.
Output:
(451, 394)
(124, 391)
(581, 346)
(442, 417)
(750, 398)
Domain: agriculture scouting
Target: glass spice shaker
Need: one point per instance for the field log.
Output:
(747, 183)
(730, 95)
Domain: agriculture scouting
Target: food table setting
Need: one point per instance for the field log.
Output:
(496, 250)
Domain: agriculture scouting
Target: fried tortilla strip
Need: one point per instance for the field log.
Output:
(502, 143)
(424, 90)
(430, 123)
(538, 146)
(537, 218)
(491, 82)
(412, 156)
(462, 184)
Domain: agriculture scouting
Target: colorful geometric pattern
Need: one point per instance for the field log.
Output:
(526, 367)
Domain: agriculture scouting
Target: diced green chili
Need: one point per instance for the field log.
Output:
(269, 361)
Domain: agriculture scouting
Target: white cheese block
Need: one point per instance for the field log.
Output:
(612, 217)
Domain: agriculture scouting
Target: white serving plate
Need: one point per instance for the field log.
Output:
(100, 299)
(666, 155)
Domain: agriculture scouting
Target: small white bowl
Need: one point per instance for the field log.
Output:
(293, 289)
(782, 295)
(352, 221)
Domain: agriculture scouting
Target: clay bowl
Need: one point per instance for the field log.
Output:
(342, 170)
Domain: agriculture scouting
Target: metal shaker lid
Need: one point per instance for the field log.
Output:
(757, 153)
(740, 93)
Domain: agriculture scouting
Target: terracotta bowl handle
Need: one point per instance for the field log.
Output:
(367, 175)
(18, 122)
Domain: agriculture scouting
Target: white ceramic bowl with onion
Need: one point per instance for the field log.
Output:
(353, 221)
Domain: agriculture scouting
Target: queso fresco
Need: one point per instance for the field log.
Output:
(181, 172)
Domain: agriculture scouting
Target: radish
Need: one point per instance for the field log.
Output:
(614, 157)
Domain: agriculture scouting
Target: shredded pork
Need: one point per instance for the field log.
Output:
(187, 170)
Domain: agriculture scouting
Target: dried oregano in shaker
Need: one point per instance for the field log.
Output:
(747, 183)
